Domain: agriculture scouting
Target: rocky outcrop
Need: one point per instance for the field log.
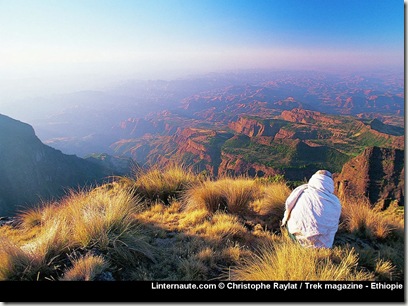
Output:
(194, 141)
(252, 127)
(32, 171)
(377, 174)
(285, 134)
(298, 115)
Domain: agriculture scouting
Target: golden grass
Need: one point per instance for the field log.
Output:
(288, 260)
(86, 268)
(15, 264)
(104, 219)
(51, 241)
(273, 200)
(168, 225)
(230, 195)
(384, 270)
(262, 204)
(240, 193)
(271, 206)
(219, 227)
(194, 244)
(101, 218)
(207, 195)
(360, 219)
(35, 261)
(163, 184)
(38, 215)
(193, 218)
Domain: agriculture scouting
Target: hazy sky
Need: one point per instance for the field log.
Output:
(74, 40)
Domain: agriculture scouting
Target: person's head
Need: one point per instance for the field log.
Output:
(322, 180)
(325, 172)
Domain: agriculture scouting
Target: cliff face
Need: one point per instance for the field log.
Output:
(252, 127)
(298, 115)
(378, 174)
(31, 171)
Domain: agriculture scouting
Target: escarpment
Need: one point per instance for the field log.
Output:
(377, 174)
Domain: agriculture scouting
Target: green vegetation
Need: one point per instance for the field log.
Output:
(239, 141)
(175, 225)
(368, 139)
(285, 154)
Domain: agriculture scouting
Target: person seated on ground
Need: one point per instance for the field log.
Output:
(312, 212)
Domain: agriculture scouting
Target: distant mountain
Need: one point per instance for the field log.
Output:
(85, 122)
(333, 94)
(123, 166)
(294, 143)
(31, 172)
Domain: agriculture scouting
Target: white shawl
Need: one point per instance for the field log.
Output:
(313, 211)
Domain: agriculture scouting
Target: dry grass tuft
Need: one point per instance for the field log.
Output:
(360, 219)
(271, 206)
(219, 227)
(86, 268)
(163, 184)
(100, 218)
(273, 201)
(15, 264)
(230, 195)
(384, 270)
(290, 261)
(207, 195)
(105, 220)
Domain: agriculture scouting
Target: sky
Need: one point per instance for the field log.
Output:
(83, 42)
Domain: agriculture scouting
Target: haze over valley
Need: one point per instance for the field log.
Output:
(90, 121)
(259, 123)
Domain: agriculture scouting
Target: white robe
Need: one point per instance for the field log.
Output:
(313, 212)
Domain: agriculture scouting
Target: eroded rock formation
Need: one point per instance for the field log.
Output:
(377, 174)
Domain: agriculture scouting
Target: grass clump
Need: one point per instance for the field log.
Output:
(288, 260)
(230, 195)
(163, 184)
(86, 268)
(15, 264)
(360, 219)
(378, 236)
(100, 219)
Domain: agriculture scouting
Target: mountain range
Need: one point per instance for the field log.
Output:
(88, 122)
(255, 123)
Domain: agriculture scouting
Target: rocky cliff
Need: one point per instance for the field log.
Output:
(32, 171)
(377, 174)
(250, 127)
